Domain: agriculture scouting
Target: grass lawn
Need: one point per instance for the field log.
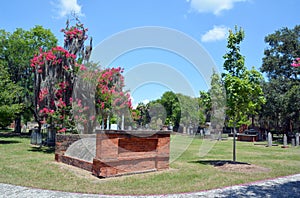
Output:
(23, 164)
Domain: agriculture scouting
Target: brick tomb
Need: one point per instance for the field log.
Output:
(115, 152)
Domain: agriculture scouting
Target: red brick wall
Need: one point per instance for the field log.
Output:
(121, 152)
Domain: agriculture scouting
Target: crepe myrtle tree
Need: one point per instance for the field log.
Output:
(110, 99)
(55, 72)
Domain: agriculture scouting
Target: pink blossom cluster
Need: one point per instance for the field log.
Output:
(43, 93)
(61, 104)
(61, 88)
(80, 112)
(80, 67)
(52, 57)
(122, 101)
(74, 32)
(63, 130)
(109, 93)
(46, 111)
(296, 62)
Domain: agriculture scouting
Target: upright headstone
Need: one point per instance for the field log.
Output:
(297, 139)
(102, 124)
(293, 142)
(122, 123)
(270, 139)
(24, 129)
(284, 141)
(219, 136)
(107, 123)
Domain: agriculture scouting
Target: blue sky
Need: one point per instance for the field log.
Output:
(205, 21)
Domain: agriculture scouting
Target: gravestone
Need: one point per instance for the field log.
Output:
(107, 123)
(293, 142)
(284, 141)
(122, 122)
(114, 127)
(270, 139)
(24, 129)
(36, 137)
(51, 133)
(219, 136)
(297, 139)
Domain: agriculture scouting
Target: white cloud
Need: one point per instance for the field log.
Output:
(67, 7)
(215, 34)
(146, 101)
(213, 6)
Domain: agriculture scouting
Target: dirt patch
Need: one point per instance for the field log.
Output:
(229, 166)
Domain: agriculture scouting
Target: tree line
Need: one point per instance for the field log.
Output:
(242, 96)
(238, 96)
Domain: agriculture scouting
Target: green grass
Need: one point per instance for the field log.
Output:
(23, 164)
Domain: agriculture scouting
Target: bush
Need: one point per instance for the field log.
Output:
(7, 114)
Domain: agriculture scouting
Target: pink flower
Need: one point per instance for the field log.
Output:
(82, 68)
(92, 118)
(62, 130)
(66, 67)
(296, 63)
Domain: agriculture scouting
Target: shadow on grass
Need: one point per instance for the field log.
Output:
(42, 149)
(217, 162)
(9, 142)
(13, 134)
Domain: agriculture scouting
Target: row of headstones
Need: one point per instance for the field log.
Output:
(295, 141)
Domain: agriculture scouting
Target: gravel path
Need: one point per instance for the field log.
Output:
(280, 187)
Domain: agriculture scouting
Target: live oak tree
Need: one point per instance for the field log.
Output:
(170, 102)
(281, 112)
(16, 50)
(244, 94)
(9, 93)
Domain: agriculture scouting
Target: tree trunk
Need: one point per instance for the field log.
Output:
(18, 124)
(234, 143)
(252, 118)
